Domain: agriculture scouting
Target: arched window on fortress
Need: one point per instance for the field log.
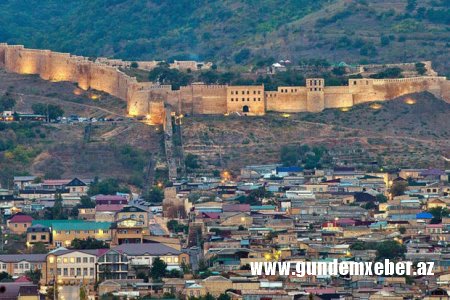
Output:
(232, 93)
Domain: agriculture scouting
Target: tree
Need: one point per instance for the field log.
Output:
(164, 75)
(86, 202)
(384, 40)
(34, 275)
(390, 250)
(155, 195)
(339, 71)
(134, 65)
(5, 277)
(109, 296)
(381, 198)
(108, 186)
(420, 68)
(83, 293)
(398, 188)
(174, 273)
(370, 205)
(388, 73)
(191, 161)
(242, 55)
(39, 248)
(158, 269)
(402, 230)
(411, 6)
(186, 268)
(289, 156)
(52, 111)
(176, 227)
(255, 196)
(438, 213)
(89, 243)
(385, 250)
(58, 209)
(7, 102)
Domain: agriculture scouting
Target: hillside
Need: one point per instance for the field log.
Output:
(408, 131)
(235, 32)
(121, 149)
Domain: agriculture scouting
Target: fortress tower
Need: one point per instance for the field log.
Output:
(315, 94)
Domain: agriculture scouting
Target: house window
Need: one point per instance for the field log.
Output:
(33, 237)
(43, 237)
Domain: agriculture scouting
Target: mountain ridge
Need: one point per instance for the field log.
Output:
(235, 32)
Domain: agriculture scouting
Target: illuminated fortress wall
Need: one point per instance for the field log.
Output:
(56, 66)
(148, 99)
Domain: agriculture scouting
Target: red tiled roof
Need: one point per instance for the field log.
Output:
(109, 207)
(109, 197)
(346, 221)
(319, 291)
(211, 215)
(236, 207)
(22, 279)
(20, 218)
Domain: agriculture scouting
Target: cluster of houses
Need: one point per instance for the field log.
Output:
(211, 229)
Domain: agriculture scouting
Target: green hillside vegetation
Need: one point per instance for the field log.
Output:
(121, 150)
(146, 29)
(230, 32)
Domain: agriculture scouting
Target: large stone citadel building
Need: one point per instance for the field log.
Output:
(149, 99)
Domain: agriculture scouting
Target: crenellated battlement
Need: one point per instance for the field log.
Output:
(148, 99)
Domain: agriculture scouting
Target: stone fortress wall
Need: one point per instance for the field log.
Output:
(148, 99)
